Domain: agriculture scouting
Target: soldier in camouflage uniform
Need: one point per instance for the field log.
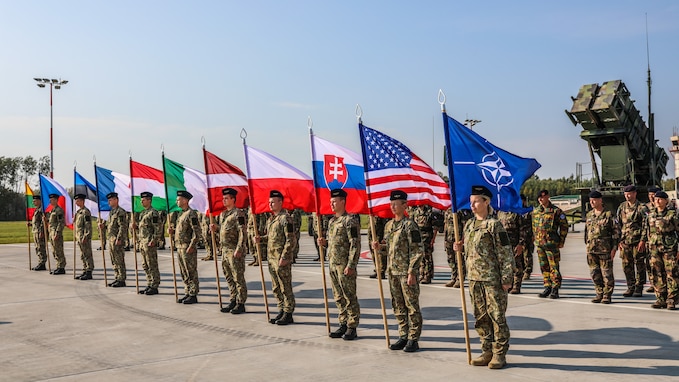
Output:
(55, 222)
(324, 229)
(382, 251)
(516, 228)
(650, 206)
(490, 268)
(404, 250)
(257, 227)
(602, 238)
(660, 232)
(38, 228)
(232, 238)
(150, 227)
(344, 250)
(530, 244)
(187, 233)
(422, 216)
(550, 228)
(82, 229)
(210, 252)
(280, 237)
(117, 232)
(162, 214)
(449, 239)
(297, 223)
(173, 216)
(631, 215)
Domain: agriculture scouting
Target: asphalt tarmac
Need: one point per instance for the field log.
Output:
(55, 328)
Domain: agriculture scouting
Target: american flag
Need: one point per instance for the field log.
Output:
(390, 165)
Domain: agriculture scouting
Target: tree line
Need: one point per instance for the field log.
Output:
(13, 173)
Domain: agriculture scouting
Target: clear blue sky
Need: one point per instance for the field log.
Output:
(146, 73)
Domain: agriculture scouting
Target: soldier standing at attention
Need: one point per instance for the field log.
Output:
(490, 268)
(280, 237)
(422, 216)
(602, 238)
(231, 226)
(650, 206)
(149, 237)
(631, 215)
(117, 234)
(38, 228)
(530, 244)
(550, 228)
(187, 233)
(404, 252)
(82, 228)
(660, 232)
(514, 225)
(344, 249)
(56, 229)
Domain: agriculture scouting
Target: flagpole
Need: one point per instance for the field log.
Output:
(456, 229)
(73, 214)
(243, 135)
(100, 224)
(167, 197)
(28, 227)
(378, 264)
(45, 227)
(321, 248)
(134, 228)
(215, 250)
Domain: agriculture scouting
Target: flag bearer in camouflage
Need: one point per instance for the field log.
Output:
(280, 237)
(422, 216)
(344, 249)
(187, 233)
(232, 238)
(602, 238)
(150, 227)
(403, 241)
(449, 234)
(382, 252)
(530, 244)
(550, 228)
(490, 269)
(82, 229)
(631, 215)
(56, 221)
(516, 228)
(117, 234)
(660, 232)
(650, 206)
(38, 228)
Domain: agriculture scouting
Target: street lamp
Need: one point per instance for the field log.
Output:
(471, 122)
(57, 84)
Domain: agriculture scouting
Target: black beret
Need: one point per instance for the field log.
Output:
(56, 196)
(629, 188)
(229, 191)
(146, 194)
(595, 195)
(481, 190)
(275, 194)
(338, 192)
(398, 195)
(543, 193)
(661, 194)
(80, 196)
(36, 197)
(112, 195)
(184, 194)
(654, 189)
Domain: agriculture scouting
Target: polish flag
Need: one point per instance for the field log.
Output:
(222, 174)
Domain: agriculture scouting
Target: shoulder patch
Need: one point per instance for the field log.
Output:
(562, 216)
(504, 238)
(415, 236)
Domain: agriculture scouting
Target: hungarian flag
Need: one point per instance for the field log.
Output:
(147, 179)
(179, 177)
(50, 186)
(110, 181)
(266, 173)
(222, 174)
(30, 209)
(83, 186)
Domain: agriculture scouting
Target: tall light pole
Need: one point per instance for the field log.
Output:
(470, 123)
(56, 84)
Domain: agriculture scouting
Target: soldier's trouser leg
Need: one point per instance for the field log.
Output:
(633, 265)
(86, 256)
(149, 257)
(188, 264)
(234, 272)
(40, 249)
(281, 281)
(452, 262)
(659, 275)
(490, 305)
(518, 271)
(344, 291)
(117, 253)
(671, 275)
(649, 268)
(528, 259)
(427, 265)
(58, 245)
(549, 258)
(405, 300)
(600, 269)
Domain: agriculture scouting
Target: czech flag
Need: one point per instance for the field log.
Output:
(50, 186)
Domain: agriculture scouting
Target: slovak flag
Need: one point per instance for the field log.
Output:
(266, 173)
(335, 166)
(50, 186)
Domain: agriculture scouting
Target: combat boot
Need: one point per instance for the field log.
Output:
(80, 277)
(638, 291)
(411, 346)
(650, 289)
(629, 292)
(606, 299)
(515, 290)
(190, 300)
(399, 345)
(555, 294)
(86, 276)
(286, 319)
(457, 284)
(229, 307)
(598, 298)
(181, 299)
(151, 291)
(40, 267)
(374, 275)
(339, 332)
(659, 304)
(58, 271)
(425, 280)
(546, 292)
(278, 317)
(451, 284)
(670, 305)
(350, 335)
(498, 361)
(483, 359)
(240, 308)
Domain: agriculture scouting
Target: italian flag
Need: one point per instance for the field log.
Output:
(30, 210)
(147, 179)
(179, 177)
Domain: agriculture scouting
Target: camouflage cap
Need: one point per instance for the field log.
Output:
(184, 194)
(481, 190)
(146, 194)
(595, 195)
(80, 196)
(229, 191)
(398, 195)
(338, 192)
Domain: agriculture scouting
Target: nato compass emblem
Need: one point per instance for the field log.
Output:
(495, 171)
(334, 171)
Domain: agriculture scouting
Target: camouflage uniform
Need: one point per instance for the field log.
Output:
(449, 234)
(324, 229)
(344, 250)
(490, 264)
(530, 245)
(382, 252)
(631, 225)
(173, 216)
(232, 238)
(651, 276)
(207, 236)
(117, 233)
(162, 214)
(187, 234)
(660, 232)
(280, 234)
(82, 228)
(257, 227)
(514, 225)
(56, 223)
(550, 228)
(297, 224)
(422, 216)
(150, 231)
(601, 237)
(38, 228)
(404, 255)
